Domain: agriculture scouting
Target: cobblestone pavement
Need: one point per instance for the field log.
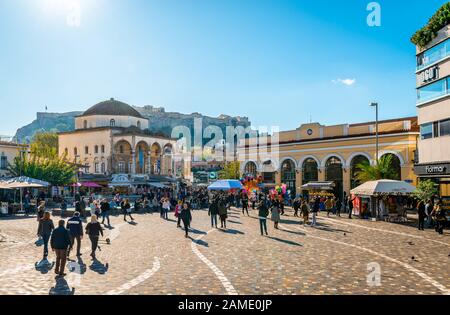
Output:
(153, 257)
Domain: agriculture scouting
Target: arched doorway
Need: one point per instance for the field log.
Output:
(395, 165)
(122, 157)
(250, 169)
(288, 175)
(334, 173)
(310, 171)
(354, 169)
(167, 160)
(141, 157)
(155, 160)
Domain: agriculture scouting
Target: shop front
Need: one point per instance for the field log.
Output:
(439, 173)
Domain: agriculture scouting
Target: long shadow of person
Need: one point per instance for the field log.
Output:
(232, 231)
(195, 231)
(284, 241)
(98, 267)
(61, 288)
(200, 242)
(44, 266)
(132, 223)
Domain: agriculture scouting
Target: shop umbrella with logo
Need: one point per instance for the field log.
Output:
(227, 184)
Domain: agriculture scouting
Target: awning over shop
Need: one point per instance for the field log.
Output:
(157, 185)
(319, 186)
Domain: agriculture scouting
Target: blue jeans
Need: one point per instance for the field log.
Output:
(263, 226)
(46, 239)
(105, 215)
(213, 220)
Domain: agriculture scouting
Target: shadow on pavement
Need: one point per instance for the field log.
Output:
(44, 266)
(199, 242)
(284, 241)
(231, 231)
(61, 288)
(98, 267)
(195, 231)
(235, 222)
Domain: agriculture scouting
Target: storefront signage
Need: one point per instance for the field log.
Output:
(434, 169)
(429, 75)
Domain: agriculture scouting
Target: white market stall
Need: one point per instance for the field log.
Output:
(383, 197)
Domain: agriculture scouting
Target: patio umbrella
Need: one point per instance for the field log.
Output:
(3, 186)
(227, 184)
(25, 182)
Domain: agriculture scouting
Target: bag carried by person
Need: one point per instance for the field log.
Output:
(39, 242)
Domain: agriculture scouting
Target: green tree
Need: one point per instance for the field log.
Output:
(425, 190)
(382, 170)
(44, 144)
(231, 170)
(55, 170)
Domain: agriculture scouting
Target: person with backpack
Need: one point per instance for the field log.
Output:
(94, 230)
(60, 242)
(213, 211)
(263, 213)
(45, 229)
(75, 227)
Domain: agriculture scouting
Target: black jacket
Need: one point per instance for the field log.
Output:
(104, 206)
(94, 229)
(213, 208)
(75, 226)
(60, 238)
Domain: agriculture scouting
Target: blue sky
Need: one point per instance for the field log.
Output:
(278, 62)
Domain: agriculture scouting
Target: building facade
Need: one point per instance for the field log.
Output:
(9, 151)
(433, 106)
(314, 152)
(113, 138)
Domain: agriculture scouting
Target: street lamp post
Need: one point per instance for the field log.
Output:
(374, 104)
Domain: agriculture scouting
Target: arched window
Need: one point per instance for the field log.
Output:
(310, 172)
(395, 165)
(96, 149)
(112, 123)
(334, 173)
(103, 149)
(354, 169)
(86, 150)
(121, 149)
(103, 168)
(139, 124)
(85, 124)
(288, 175)
(250, 169)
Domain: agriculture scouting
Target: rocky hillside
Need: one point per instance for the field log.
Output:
(161, 122)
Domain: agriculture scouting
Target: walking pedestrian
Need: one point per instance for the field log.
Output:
(440, 217)
(213, 211)
(315, 210)
(245, 203)
(275, 210)
(105, 209)
(75, 227)
(186, 217)
(422, 215)
(41, 210)
(166, 208)
(178, 209)
(305, 212)
(126, 209)
(296, 205)
(428, 210)
(94, 230)
(338, 207)
(263, 213)
(350, 206)
(45, 229)
(329, 205)
(223, 213)
(60, 242)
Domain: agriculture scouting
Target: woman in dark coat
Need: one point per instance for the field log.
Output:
(94, 230)
(422, 215)
(45, 230)
(223, 213)
(186, 217)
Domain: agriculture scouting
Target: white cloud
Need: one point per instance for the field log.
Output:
(74, 15)
(348, 82)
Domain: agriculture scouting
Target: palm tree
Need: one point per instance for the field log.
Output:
(382, 170)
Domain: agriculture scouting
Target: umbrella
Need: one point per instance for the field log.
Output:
(384, 187)
(3, 186)
(25, 182)
(227, 184)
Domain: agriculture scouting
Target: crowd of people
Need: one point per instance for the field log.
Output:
(271, 206)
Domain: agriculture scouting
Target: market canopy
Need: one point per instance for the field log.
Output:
(157, 185)
(384, 187)
(25, 182)
(87, 184)
(319, 186)
(3, 185)
(227, 184)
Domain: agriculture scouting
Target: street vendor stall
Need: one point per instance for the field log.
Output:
(319, 189)
(228, 184)
(24, 182)
(383, 199)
